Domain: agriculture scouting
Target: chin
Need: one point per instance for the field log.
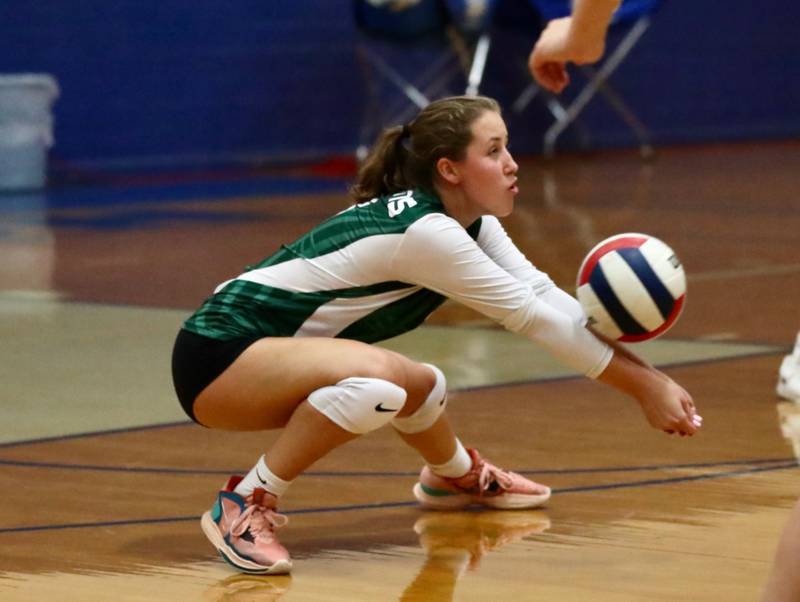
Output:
(505, 211)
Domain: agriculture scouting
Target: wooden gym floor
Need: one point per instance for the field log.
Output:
(104, 479)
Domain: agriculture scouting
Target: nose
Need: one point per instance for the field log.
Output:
(511, 166)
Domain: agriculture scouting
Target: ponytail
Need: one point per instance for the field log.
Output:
(382, 172)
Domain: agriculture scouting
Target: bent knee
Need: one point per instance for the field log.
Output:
(420, 415)
(359, 404)
(417, 379)
(386, 365)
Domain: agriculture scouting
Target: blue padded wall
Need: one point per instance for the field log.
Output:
(180, 83)
(187, 82)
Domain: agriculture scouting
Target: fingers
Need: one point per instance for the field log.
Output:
(686, 427)
(687, 403)
(551, 76)
(692, 421)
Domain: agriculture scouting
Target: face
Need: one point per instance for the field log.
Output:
(488, 173)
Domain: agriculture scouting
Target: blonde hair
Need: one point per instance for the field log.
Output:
(404, 157)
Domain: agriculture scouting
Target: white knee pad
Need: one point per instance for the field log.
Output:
(359, 404)
(429, 411)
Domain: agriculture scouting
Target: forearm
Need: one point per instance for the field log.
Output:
(628, 375)
(620, 349)
(561, 335)
(666, 405)
(590, 20)
(623, 351)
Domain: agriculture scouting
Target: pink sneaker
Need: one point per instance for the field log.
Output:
(243, 530)
(484, 484)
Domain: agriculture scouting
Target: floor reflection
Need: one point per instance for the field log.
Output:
(789, 419)
(455, 542)
(27, 244)
(247, 588)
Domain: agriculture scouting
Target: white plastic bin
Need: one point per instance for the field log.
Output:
(26, 129)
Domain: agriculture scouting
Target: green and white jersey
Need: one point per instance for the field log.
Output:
(378, 269)
(335, 281)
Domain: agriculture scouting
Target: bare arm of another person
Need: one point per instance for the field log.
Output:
(579, 38)
(783, 584)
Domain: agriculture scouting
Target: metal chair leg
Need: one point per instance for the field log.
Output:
(616, 102)
(556, 108)
(593, 86)
(478, 65)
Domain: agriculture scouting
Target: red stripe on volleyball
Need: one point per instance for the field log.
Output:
(603, 249)
(673, 316)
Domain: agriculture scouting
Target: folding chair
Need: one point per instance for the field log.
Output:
(419, 48)
(629, 23)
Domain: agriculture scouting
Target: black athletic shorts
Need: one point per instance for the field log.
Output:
(198, 360)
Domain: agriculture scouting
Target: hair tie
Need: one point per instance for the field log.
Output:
(404, 139)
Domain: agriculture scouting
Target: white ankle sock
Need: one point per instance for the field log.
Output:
(261, 476)
(457, 466)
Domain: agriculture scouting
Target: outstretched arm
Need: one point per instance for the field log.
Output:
(438, 254)
(579, 38)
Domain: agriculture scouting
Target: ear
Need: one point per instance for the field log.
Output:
(448, 171)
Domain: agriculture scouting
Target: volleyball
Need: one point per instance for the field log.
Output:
(632, 287)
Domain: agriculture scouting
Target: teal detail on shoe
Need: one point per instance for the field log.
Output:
(435, 492)
(234, 497)
(216, 511)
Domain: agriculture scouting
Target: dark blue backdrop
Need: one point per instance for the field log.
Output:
(197, 83)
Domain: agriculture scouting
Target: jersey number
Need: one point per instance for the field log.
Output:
(400, 201)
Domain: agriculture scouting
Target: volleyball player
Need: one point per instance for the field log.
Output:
(287, 343)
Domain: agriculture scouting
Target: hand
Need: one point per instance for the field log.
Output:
(666, 405)
(555, 48)
(670, 408)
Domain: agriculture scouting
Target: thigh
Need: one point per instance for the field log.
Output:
(198, 360)
(262, 388)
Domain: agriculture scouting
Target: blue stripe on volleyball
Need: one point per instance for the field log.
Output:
(625, 321)
(641, 267)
